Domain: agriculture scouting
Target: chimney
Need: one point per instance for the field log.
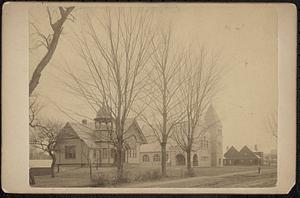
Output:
(84, 122)
(255, 147)
(227, 148)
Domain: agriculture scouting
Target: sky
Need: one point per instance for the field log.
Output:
(244, 36)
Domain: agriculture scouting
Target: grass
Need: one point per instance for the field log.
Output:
(105, 176)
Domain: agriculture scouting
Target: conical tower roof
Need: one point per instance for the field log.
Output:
(103, 113)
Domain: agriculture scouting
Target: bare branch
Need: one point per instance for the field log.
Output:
(50, 42)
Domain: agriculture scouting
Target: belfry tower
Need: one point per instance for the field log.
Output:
(214, 125)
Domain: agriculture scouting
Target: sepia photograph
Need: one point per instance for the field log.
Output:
(155, 96)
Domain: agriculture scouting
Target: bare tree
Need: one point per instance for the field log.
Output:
(115, 51)
(34, 109)
(50, 42)
(201, 76)
(272, 124)
(45, 137)
(167, 63)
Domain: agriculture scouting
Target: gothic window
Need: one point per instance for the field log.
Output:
(203, 143)
(134, 153)
(94, 154)
(129, 153)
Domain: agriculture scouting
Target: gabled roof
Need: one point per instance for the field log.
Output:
(246, 153)
(86, 131)
(156, 147)
(132, 125)
(151, 147)
(232, 153)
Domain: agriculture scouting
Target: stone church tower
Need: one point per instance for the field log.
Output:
(214, 125)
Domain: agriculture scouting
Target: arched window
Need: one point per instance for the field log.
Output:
(156, 158)
(146, 158)
(134, 153)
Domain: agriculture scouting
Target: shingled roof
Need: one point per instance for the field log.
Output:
(244, 153)
(86, 132)
(232, 153)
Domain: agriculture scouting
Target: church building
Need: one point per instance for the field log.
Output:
(207, 149)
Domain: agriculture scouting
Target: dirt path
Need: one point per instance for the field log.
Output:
(240, 179)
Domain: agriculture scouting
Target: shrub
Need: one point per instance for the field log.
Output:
(190, 173)
(100, 180)
(124, 179)
(155, 174)
(148, 175)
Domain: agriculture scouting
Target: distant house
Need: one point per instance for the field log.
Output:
(88, 142)
(243, 157)
(231, 157)
(270, 158)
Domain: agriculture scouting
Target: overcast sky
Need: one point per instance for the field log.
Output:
(246, 38)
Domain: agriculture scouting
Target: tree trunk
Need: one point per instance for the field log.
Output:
(45, 60)
(163, 159)
(119, 163)
(53, 164)
(57, 29)
(189, 165)
(91, 173)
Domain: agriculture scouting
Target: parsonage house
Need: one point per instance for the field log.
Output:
(87, 142)
(245, 156)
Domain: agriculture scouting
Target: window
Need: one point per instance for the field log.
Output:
(206, 144)
(105, 153)
(134, 153)
(146, 158)
(70, 152)
(112, 153)
(204, 158)
(156, 158)
(203, 143)
(95, 154)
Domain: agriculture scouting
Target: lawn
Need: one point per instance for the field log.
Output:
(104, 176)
